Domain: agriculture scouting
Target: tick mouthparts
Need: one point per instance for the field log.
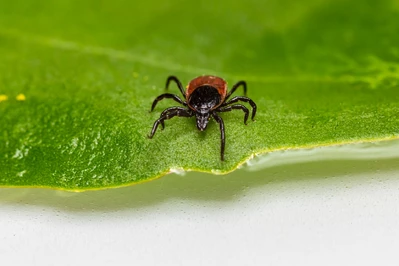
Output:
(202, 122)
(201, 127)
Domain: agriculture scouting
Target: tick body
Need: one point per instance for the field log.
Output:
(205, 97)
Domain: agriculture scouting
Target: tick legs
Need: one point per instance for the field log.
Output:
(235, 106)
(238, 84)
(222, 137)
(175, 79)
(178, 111)
(167, 95)
(243, 99)
(169, 110)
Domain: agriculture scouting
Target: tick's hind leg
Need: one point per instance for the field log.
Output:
(243, 99)
(167, 95)
(238, 84)
(178, 83)
(235, 106)
(222, 137)
(171, 112)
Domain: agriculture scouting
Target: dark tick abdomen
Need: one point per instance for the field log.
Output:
(204, 98)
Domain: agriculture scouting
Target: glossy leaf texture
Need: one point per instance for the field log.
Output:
(77, 79)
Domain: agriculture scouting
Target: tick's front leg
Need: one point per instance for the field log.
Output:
(168, 114)
(222, 136)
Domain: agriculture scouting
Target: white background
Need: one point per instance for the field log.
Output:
(330, 212)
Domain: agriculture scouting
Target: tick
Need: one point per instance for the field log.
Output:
(205, 97)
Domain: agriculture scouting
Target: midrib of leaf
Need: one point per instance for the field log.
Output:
(374, 72)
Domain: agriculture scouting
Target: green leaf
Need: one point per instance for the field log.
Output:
(77, 79)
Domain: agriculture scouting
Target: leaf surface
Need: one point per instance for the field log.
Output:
(77, 79)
